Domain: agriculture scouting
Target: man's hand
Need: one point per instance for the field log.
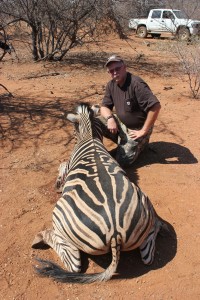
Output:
(136, 134)
(112, 125)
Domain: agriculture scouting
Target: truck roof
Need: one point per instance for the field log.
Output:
(165, 9)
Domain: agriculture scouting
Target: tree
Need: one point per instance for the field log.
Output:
(189, 57)
(56, 26)
(138, 8)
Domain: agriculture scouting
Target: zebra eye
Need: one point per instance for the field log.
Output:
(76, 125)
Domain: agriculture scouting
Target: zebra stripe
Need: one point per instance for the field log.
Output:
(99, 211)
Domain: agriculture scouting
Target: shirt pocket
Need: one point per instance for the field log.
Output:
(130, 105)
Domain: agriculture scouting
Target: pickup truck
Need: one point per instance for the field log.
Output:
(165, 21)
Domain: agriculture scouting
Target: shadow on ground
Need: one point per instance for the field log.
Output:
(137, 62)
(28, 118)
(161, 153)
(131, 265)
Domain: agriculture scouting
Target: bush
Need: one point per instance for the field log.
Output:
(189, 57)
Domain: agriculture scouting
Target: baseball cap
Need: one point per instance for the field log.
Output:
(113, 58)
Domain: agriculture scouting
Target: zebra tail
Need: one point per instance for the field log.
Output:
(54, 271)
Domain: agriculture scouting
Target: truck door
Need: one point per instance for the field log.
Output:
(168, 21)
(154, 21)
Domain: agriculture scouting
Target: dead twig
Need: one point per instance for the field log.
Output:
(43, 75)
(9, 93)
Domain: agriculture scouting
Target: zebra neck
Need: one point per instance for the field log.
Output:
(90, 149)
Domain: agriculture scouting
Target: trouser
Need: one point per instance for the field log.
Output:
(127, 150)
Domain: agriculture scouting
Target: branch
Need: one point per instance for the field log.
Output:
(43, 75)
(9, 93)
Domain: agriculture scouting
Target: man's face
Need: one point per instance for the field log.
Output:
(117, 70)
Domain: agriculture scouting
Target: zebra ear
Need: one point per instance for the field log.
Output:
(96, 109)
(73, 118)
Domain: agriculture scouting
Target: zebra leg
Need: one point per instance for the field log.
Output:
(69, 254)
(62, 174)
(43, 238)
(129, 149)
(147, 248)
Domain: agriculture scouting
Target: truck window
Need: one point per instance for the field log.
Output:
(156, 14)
(168, 15)
(180, 15)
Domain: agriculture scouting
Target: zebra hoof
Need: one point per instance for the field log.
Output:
(58, 185)
(38, 242)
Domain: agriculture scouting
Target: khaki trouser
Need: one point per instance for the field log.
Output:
(127, 150)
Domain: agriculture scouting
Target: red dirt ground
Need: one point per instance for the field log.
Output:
(36, 137)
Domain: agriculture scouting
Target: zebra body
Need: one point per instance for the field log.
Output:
(99, 211)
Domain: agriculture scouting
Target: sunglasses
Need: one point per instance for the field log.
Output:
(115, 70)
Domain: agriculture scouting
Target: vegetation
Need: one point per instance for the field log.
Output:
(56, 26)
(189, 57)
(51, 28)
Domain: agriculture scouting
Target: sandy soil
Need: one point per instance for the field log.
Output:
(36, 137)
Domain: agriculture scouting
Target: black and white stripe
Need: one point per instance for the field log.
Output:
(99, 211)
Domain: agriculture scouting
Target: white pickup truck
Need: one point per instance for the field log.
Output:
(165, 21)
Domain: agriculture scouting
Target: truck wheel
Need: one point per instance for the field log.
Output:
(183, 34)
(142, 32)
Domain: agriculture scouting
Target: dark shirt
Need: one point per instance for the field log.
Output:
(132, 101)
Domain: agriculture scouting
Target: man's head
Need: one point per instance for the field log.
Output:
(113, 58)
(116, 68)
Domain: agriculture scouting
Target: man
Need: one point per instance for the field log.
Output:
(136, 111)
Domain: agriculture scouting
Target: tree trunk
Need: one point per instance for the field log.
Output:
(34, 43)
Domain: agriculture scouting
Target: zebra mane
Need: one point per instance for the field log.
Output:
(84, 108)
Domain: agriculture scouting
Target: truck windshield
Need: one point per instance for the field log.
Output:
(180, 14)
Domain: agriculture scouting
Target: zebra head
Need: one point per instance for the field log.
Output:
(85, 122)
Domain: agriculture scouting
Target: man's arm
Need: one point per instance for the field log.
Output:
(111, 123)
(150, 120)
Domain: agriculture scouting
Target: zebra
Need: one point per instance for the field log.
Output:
(100, 209)
(63, 167)
(62, 175)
